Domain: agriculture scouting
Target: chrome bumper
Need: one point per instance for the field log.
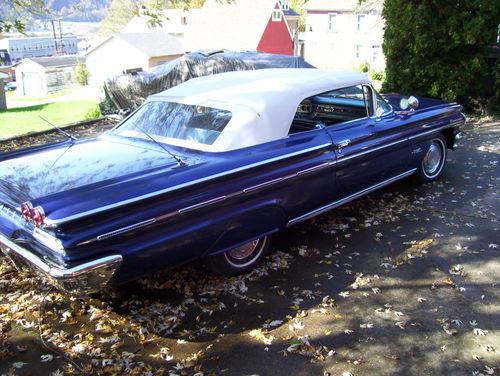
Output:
(458, 136)
(85, 278)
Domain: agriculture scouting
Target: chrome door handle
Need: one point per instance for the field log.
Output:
(343, 143)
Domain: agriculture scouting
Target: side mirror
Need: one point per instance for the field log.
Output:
(408, 103)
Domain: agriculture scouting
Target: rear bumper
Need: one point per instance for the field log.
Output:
(458, 135)
(85, 278)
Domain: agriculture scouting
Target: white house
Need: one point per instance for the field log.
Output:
(173, 21)
(343, 34)
(130, 53)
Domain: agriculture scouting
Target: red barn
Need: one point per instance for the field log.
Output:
(253, 25)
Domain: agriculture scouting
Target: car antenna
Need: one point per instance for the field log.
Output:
(73, 138)
(179, 160)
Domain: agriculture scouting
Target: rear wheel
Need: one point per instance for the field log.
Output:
(433, 162)
(239, 259)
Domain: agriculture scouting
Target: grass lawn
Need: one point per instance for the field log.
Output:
(12, 96)
(21, 120)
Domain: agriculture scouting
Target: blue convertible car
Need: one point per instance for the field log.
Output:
(210, 169)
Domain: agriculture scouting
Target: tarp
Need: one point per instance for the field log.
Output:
(126, 92)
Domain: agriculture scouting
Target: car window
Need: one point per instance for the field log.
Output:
(382, 106)
(198, 124)
(333, 107)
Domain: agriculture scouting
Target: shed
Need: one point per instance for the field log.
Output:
(41, 76)
(129, 53)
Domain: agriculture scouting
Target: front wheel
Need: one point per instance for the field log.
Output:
(239, 259)
(433, 162)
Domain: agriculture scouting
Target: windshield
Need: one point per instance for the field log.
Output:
(176, 121)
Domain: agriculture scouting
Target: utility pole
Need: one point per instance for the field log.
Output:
(60, 38)
(55, 37)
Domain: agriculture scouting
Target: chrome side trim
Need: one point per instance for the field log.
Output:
(263, 185)
(206, 203)
(126, 229)
(341, 158)
(349, 198)
(88, 277)
(54, 222)
(312, 169)
(202, 204)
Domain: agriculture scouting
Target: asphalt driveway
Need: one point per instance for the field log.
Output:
(402, 282)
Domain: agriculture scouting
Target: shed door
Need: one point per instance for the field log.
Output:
(32, 85)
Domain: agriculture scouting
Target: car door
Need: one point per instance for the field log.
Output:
(370, 150)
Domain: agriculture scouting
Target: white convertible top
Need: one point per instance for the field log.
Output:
(262, 102)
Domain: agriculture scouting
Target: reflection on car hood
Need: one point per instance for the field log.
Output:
(41, 173)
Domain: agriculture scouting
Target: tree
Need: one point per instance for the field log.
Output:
(14, 12)
(298, 6)
(440, 48)
(122, 11)
(81, 73)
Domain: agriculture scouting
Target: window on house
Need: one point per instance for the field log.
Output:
(360, 22)
(375, 53)
(276, 15)
(284, 5)
(332, 17)
(359, 48)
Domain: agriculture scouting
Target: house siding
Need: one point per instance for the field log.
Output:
(276, 37)
(344, 47)
(154, 61)
(112, 58)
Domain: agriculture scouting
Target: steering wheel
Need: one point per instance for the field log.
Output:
(307, 109)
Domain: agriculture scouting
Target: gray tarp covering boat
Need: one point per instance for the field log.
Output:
(126, 92)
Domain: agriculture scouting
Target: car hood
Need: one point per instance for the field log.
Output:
(36, 174)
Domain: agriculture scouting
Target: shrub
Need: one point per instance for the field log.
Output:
(81, 73)
(440, 49)
(377, 75)
(93, 113)
(364, 67)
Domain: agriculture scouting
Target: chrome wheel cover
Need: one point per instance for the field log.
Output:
(246, 254)
(244, 251)
(433, 159)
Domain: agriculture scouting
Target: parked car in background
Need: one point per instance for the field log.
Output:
(211, 169)
(9, 86)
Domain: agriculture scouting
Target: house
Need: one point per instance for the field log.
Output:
(27, 47)
(130, 53)
(173, 21)
(40, 76)
(343, 34)
(253, 25)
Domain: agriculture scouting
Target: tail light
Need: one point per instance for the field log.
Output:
(38, 216)
(27, 211)
(35, 214)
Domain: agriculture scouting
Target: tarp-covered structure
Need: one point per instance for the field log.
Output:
(126, 92)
